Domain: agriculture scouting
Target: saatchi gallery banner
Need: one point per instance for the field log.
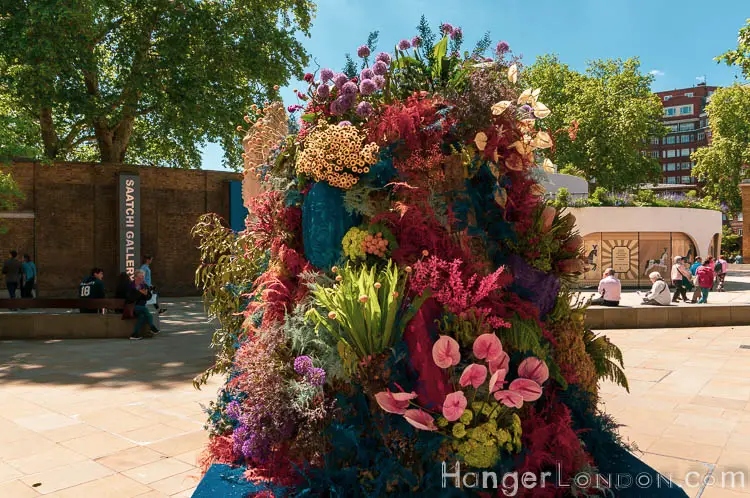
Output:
(129, 204)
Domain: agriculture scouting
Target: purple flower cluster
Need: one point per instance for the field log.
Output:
(502, 47)
(326, 75)
(446, 29)
(380, 68)
(233, 410)
(323, 91)
(342, 123)
(457, 34)
(366, 74)
(364, 109)
(363, 51)
(342, 104)
(416, 41)
(404, 45)
(303, 364)
(316, 376)
(379, 81)
(367, 87)
(385, 58)
(340, 80)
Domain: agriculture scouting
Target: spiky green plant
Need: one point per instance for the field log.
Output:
(606, 357)
(368, 318)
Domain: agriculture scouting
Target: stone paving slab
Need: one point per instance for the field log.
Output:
(93, 418)
(688, 410)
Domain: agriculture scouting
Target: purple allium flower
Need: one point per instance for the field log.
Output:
(344, 123)
(233, 410)
(379, 81)
(303, 364)
(363, 51)
(446, 28)
(247, 448)
(326, 75)
(380, 68)
(364, 109)
(384, 57)
(457, 34)
(316, 376)
(366, 74)
(340, 80)
(323, 91)
(502, 47)
(404, 45)
(367, 87)
(416, 41)
(339, 106)
(349, 88)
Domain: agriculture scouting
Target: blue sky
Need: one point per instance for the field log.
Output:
(676, 39)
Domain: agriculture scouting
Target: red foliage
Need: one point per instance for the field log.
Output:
(219, 450)
(550, 444)
(271, 223)
(522, 201)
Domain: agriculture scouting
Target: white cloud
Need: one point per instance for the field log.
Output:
(701, 79)
(656, 72)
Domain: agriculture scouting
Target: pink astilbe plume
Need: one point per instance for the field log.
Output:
(458, 291)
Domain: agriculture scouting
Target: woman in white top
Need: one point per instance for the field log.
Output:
(678, 273)
(659, 293)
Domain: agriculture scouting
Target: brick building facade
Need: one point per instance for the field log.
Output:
(68, 221)
(685, 116)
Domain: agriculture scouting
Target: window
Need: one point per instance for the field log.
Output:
(689, 94)
(667, 97)
(655, 154)
(739, 232)
(686, 109)
(686, 179)
(703, 123)
(670, 167)
(687, 126)
(671, 179)
(674, 128)
(684, 139)
(655, 141)
(670, 140)
(670, 111)
(686, 165)
(701, 135)
(670, 153)
(685, 152)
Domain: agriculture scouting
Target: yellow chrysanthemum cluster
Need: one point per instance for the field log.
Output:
(336, 154)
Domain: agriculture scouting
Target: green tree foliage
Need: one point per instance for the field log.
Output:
(723, 165)
(731, 243)
(148, 81)
(614, 111)
(741, 56)
(10, 194)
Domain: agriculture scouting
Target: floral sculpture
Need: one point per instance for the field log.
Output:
(413, 305)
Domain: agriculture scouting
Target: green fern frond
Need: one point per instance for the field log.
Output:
(606, 357)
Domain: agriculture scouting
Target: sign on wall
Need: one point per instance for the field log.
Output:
(129, 212)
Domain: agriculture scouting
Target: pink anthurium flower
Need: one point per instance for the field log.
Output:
(475, 374)
(445, 352)
(497, 380)
(502, 362)
(488, 347)
(527, 388)
(420, 419)
(510, 399)
(394, 402)
(548, 216)
(454, 406)
(535, 369)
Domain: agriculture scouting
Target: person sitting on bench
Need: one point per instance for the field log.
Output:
(659, 293)
(609, 289)
(92, 287)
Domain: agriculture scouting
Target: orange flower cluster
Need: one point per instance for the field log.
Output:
(337, 154)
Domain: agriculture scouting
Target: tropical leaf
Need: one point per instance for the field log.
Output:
(606, 357)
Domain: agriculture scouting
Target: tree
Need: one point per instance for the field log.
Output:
(10, 194)
(741, 56)
(723, 165)
(601, 119)
(146, 81)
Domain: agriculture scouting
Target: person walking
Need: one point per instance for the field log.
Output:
(678, 272)
(720, 269)
(705, 279)
(609, 290)
(696, 288)
(146, 267)
(12, 272)
(139, 295)
(28, 269)
(659, 293)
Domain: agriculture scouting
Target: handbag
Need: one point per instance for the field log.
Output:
(152, 301)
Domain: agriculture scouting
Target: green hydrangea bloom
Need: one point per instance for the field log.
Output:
(459, 430)
(476, 454)
(352, 243)
(442, 422)
(467, 417)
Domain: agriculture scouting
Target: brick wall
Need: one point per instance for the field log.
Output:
(75, 224)
(745, 189)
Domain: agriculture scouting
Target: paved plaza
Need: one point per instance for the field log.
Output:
(106, 418)
(113, 418)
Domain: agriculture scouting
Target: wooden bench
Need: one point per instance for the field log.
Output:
(75, 325)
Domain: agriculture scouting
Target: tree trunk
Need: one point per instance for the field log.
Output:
(49, 134)
(113, 141)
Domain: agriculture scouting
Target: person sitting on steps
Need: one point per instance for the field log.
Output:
(659, 293)
(609, 289)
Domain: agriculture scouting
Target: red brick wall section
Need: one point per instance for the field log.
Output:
(75, 225)
(745, 188)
